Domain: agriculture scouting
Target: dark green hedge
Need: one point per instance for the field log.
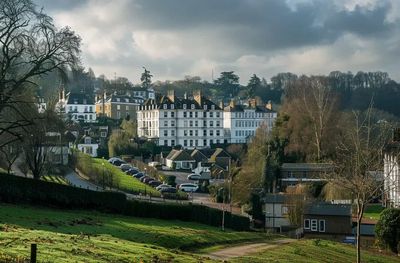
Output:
(186, 212)
(15, 189)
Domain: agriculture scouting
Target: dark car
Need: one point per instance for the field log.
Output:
(168, 190)
(139, 175)
(132, 171)
(144, 177)
(147, 180)
(118, 162)
(155, 183)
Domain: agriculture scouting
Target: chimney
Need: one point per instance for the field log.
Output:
(268, 105)
(185, 96)
(252, 103)
(232, 103)
(171, 95)
(221, 104)
(197, 96)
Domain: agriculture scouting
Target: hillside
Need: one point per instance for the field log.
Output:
(80, 236)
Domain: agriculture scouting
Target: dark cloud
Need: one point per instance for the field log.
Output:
(178, 37)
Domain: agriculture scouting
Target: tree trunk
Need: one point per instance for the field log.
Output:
(360, 212)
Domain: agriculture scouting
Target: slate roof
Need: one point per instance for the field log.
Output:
(179, 155)
(306, 167)
(219, 152)
(179, 102)
(79, 98)
(242, 108)
(328, 209)
(199, 156)
(274, 198)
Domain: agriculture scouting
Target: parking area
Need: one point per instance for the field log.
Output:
(181, 177)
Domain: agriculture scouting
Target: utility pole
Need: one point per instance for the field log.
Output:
(223, 209)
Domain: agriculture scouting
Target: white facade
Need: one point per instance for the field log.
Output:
(192, 123)
(88, 147)
(392, 179)
(77, 106)
(241, 122)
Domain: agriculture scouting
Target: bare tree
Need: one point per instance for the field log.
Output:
(315, 106)
(359, 157)
(9, 154)
(30, 45)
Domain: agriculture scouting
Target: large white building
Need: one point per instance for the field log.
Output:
(241, 121)
(77, 106)
(391, 172)
(191, 122)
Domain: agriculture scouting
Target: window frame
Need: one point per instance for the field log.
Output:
(314, 225)
(307, 224)
(319, 225)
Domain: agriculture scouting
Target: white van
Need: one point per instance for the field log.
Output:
(188, 187)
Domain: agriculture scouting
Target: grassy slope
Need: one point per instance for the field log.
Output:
(55, 179)
(373, 211)
(92, 237)
(310, 251)
(126, 182)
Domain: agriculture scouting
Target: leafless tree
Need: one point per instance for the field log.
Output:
(314, 104)
(30, 45)
(359, 158)
(9, 154)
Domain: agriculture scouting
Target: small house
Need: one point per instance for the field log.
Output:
(180, 159)
(275, 208)
(326, 220)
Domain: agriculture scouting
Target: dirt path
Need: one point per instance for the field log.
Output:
(242, 250)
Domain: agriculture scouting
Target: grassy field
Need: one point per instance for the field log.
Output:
(373, 211)
(310, 251)
(85, 236)
(126, 182)
(55, 179)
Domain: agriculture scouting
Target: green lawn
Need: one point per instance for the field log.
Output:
(88, 236)
(372, 211)
(126, 182)
(55, 179)
(313, 251)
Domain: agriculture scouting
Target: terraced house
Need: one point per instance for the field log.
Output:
(118, 106)
(194, 122)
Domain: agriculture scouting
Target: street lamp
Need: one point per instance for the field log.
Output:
(104, 183)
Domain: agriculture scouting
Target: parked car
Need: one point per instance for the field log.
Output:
(148, 179)
(158, 188)
(155, 183)
(194, 177)
(113, 159)
(132, 171)
(168, 190)
(118, 162)
(125, 167)
(139, 175)
(188, 187)
(143, 178)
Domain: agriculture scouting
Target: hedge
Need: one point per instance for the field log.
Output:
(15, 189)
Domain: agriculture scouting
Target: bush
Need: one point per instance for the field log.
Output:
(387, 229)
(23, 190)
(15, 189)
(190, 212)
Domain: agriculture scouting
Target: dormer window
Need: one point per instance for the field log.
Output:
(172, 106)
(192, 106)
(184, 106)
(84, 101)
(126, 100)
(88, 140)
(118, 100)
(213, 107)
(205, 107)
(165, 106)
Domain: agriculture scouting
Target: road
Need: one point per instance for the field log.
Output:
(181, 177)
(245, 249)
(75, 180)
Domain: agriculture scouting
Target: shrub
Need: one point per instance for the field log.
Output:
(15, 189)
(387, 229)
(23, 190)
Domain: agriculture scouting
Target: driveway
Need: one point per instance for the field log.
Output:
(75, 180)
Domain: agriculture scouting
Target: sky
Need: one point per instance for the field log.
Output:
(175, 38)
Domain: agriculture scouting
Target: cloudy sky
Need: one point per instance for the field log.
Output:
(174, 38)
